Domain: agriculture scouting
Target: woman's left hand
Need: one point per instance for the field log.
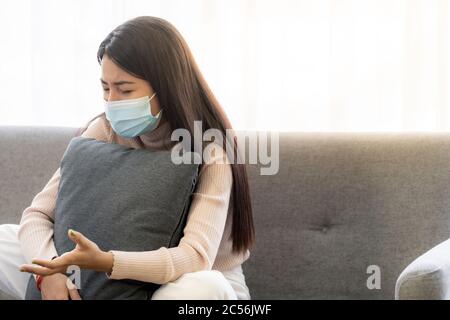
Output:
(86, 255)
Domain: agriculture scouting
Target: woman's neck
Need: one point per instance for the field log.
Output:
(158, 138)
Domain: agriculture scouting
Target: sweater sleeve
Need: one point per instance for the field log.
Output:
(35, 233)
(203, 232)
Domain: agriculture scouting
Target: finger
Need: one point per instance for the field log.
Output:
(78, 238)
(38, 270)
(74, 295)
(73, 290)
(59, 262)
(64, 260)
(43, 263)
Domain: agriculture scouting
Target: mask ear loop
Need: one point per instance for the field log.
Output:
(154, 94)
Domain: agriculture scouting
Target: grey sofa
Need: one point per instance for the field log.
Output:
(339, 204)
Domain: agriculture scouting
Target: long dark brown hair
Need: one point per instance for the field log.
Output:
(152, 49)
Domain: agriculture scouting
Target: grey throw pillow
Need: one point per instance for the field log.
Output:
(122, 199)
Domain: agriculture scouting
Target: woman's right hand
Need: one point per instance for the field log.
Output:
(55, 287)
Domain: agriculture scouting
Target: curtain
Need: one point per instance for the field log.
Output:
(287, 65)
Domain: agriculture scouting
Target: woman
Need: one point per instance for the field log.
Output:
(146, 62)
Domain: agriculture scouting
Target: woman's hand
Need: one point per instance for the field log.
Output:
(58, 287)
(86, 255)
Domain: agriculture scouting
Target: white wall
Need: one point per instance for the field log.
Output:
(304, 65)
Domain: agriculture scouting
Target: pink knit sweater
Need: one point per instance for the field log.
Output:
(206, 243)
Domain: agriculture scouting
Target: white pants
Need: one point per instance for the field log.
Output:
(201, 285)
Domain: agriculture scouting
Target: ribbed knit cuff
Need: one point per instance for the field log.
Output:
(148, 266)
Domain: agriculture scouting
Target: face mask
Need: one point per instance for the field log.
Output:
(131, 118)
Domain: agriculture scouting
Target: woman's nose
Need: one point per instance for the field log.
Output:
(112, 96)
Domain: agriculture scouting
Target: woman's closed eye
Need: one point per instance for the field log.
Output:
(126, 91)
(122, 91)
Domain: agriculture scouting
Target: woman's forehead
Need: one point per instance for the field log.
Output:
(111, 72)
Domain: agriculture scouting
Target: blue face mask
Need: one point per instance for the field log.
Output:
(131, 118)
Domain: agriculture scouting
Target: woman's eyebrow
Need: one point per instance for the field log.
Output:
(117, 83)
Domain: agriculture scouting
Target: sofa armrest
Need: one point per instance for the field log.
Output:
(427, 277)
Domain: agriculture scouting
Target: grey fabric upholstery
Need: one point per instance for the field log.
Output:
(122, 199)
(340, 203)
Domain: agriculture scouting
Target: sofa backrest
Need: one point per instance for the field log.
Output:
(341, 205)
(28, 156)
